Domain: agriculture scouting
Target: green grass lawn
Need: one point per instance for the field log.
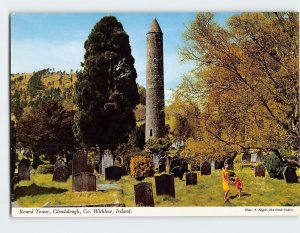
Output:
(208, 192)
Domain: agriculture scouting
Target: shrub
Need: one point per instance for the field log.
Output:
(141, 167)
(237, 162)
(45, 169)
(274, 166)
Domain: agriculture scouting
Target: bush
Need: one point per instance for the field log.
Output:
(237, 162)
(274, 166)
(141, 167)
(45, 169)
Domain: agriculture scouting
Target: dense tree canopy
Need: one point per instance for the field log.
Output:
(47, 130)
(106, 90)
(244, 90)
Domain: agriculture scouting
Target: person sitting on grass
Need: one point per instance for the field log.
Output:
(225, 182)
(239, 185)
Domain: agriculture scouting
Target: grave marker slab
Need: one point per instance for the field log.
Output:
(24, 172)
(107, 160)
(253, 157)
(289, 174)
(59, 163)
(190, 178)
(260, 171)
(113, 173)
(61, 174)
(165, 185)
(155, 159)
(79, 162)
(205, 169)
(84, 182)
(143, 194)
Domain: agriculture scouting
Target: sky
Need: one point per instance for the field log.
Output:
(55, 40)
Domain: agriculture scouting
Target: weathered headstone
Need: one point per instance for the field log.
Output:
(290, 175)
(113, 173)
(205, 169)
(61, 174)
(246, 157)
(107, 160)
(190, 178)
(253, 157)
(260, 171)
(79, 162)
(143, 194)
(84, 182)
(212, 165)
(59, 163)
(24, 172)
(155, 159)
(165, 185)
(174, 163)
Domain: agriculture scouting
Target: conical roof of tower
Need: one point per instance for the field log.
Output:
(154, 27)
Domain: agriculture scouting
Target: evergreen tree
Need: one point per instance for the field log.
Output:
(106, 89)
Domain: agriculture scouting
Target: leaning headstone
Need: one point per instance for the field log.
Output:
(143, 194)
(24, 172)
(165, 185)
(260, 171)
(190, 178)
(107, 160)
(289, 174)
(84, 182)
(205, 169)
(61, 174)
(113, 173)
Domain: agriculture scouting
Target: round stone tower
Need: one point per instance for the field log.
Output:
(155, 100)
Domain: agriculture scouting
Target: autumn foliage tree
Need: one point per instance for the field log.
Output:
(245, 84)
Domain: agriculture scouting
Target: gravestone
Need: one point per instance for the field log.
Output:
(84, 182)
(164, 185)
(61, 174)
(23, 172)
(289, 174)
(190, 178)
(259, 157)
(59, 163)
(260, 171)
(205, 169)
(113, 173)
(175, 171)
(107, 160)
(212, 165)
(155, 159)
(143, 194)
(79, 162)
(183, 169)
(174, 163)
(246, 157)
(253, 157)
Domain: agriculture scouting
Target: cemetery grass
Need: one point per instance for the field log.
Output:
(258, 191)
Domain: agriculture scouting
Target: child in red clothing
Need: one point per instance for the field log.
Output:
(239, 185)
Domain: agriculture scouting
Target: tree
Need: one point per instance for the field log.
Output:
(248, 79)
(142, 94)
(47, 130)
(106, 89)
